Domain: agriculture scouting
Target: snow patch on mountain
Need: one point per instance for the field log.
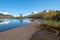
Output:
(4, 13)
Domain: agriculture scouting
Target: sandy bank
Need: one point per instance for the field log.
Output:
(20, 33)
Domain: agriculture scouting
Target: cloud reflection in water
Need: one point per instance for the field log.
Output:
(5, 21)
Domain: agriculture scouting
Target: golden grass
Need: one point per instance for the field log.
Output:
(52, 23)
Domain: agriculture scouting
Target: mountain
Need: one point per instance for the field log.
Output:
(1, 14)
(5, 15)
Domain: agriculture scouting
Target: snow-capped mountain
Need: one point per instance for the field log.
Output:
(5, 15)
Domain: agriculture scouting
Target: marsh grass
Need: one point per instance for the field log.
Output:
(51, 23)
(51, 26)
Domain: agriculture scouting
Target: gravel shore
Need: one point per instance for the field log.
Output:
(21, 33)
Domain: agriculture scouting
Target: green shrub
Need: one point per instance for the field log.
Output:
(52, 23)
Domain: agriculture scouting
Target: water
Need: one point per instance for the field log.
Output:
(8, 24)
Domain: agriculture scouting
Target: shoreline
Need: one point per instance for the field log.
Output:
(21, 33)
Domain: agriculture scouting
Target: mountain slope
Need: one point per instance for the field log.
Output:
(2, 15)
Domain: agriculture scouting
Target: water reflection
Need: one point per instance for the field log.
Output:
(4, 21)
(8, 24)
(24, 20)
(21, 20)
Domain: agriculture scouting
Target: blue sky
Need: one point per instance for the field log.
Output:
(16, 7)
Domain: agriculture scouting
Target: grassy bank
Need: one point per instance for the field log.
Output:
(51, 26)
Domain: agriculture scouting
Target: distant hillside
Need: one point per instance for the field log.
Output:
(5, 15)
(1, 14)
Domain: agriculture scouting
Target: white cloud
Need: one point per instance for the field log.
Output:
(27, 14)
(1, 12)
(5, 13)
(47, 10)
(16, 15)
(35, 11)
(31, 13)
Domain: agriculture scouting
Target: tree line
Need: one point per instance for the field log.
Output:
(46, 15)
